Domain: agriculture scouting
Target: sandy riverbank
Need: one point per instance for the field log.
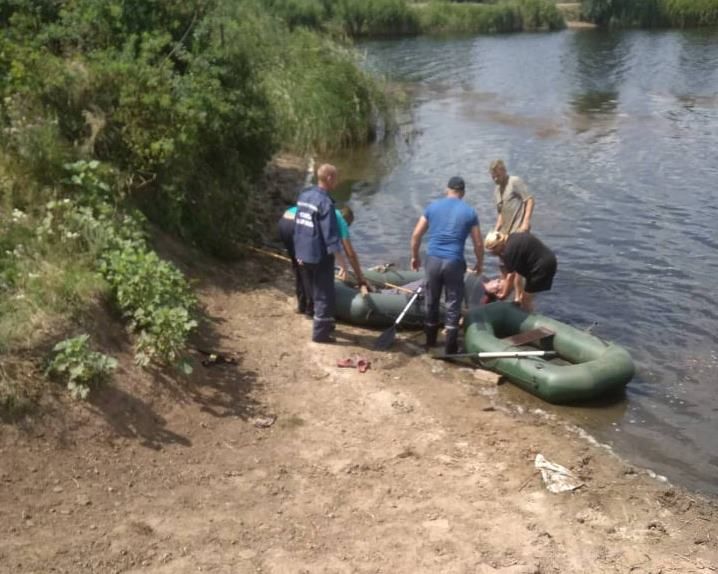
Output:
(285, 463)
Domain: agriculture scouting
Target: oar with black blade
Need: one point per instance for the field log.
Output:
(386, 339)
(496, 355)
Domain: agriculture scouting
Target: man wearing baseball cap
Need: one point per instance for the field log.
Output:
(449, 221)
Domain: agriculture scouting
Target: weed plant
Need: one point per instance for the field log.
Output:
(74, 249)
(357, 18)
(651, 13)
(81, 368)
(510, 16)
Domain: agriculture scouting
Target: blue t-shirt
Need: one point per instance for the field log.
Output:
(450, 222)
(343, 226)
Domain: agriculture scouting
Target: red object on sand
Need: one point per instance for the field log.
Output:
(361, 364)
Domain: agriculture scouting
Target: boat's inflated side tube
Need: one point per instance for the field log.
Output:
(375, 309)
(399, 277)
(598, 368)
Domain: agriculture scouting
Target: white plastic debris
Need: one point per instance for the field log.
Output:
(557, 478)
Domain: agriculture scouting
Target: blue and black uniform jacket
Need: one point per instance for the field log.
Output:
(316, 231)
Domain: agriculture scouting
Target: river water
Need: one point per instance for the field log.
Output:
(616, 135)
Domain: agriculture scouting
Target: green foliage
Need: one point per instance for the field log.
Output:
(321, 98)
(444, 17)
(400, 17)
(512, 16)
(539, 15)
(154, 296)
(689, 13)
(55, 260)
(80, 367)
(165, 336)
(152, 293)
(182, 99)
(375, 17)
(298, 13)
(44, 278)
(323, 103)
(651, 13)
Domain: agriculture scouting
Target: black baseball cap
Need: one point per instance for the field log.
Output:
(456, 183)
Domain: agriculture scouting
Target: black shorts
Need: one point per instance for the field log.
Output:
(542, 280)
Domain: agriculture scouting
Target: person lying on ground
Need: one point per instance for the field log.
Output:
(529, 264)
(449, 221)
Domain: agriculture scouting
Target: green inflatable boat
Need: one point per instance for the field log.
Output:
(586, 368)
(381, 308)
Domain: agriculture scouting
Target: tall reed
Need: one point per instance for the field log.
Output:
(651, 13)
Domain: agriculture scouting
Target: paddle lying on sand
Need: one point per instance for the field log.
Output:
(497, 355)
(386, 339)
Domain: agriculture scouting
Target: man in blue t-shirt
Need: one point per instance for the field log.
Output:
(449, 222)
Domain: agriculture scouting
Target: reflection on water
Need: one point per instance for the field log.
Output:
(590, 103)
(615, 134)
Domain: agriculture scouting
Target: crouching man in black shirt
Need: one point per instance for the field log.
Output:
(524, 258)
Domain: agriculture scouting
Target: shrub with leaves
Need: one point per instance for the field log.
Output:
(165, 336)
(151, 293)
(156, 298)
(82, 368)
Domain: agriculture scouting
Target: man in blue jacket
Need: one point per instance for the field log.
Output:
(316, 240)
(449, 221)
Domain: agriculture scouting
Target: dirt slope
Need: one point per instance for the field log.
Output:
(410, 467)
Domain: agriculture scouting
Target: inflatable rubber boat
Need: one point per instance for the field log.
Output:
(586, 367)
(382, 307)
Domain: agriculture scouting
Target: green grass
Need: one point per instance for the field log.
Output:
(470, 18)
(42, 287)
(691, 13)
(651, 13)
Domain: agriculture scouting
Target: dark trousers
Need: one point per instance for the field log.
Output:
(321, 277)
(302, 286)
(447, 275)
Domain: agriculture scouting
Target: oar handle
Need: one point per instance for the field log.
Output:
(513, 354)
(392, 286)
(408, 306)
(266, 252)
(386, 284)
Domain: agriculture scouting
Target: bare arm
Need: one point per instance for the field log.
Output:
(478, 249)
(507, 284)
(528, 212)
(342, 263)
(419, 230)
(519, 286)
(354, 260)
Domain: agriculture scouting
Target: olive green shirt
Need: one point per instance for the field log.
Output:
(512, 203)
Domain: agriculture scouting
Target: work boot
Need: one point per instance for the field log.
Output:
(451, 346)
(431, 334)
